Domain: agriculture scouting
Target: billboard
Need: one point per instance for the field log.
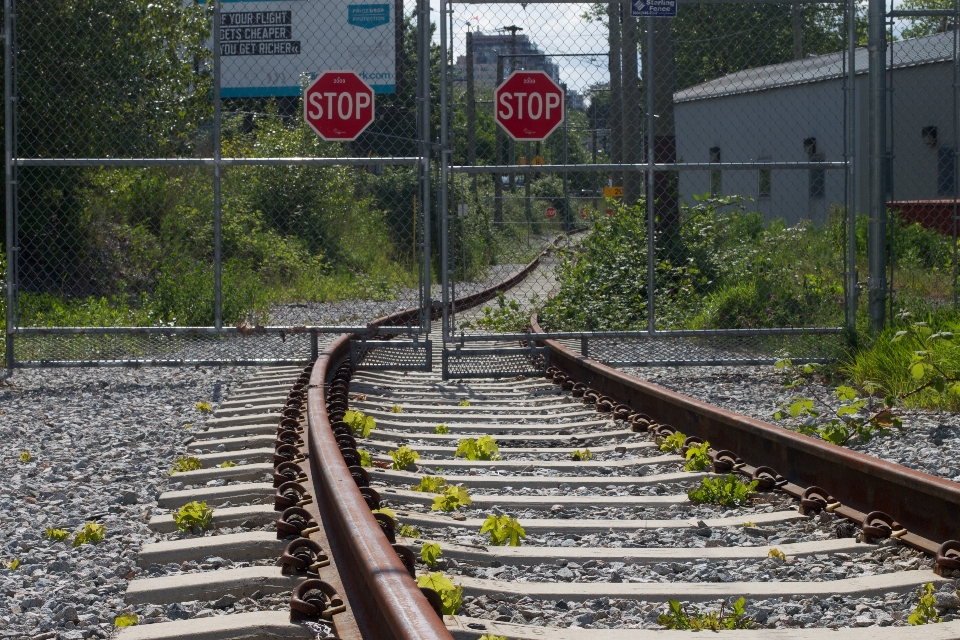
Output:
(276, 47)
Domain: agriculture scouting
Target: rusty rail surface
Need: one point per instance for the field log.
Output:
(927, 506)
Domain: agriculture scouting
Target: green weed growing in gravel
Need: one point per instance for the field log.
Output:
(227, 464)
(777, 554)
(503, 530)
(852, 415)
(126, 620)
(92, 533)
(360, 423)
(581, 456)
(726, 492)
(365, 459)
(926, 609)
(203, 407)
(678, 618)
(441, 429)
(482, 448)
(56, 534)
(452, 498)
(409, 531)
(25, 456)
(490, 636)
(464, 403)
(507, 317)
(13, 564)
(430, 552)
(698, 457)
(403, 457)
(430, 484)
(396, 409)
(193, 515)
(185, 463)
(673, 443)
(450, 595)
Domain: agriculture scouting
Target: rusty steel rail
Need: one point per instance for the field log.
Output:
(386, 600)
(400, 611)
(926, 506)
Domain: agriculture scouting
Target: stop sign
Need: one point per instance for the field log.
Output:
(550, 212)
(338, 105)
(529, 105)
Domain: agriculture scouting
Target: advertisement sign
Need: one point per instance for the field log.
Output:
(276, 47)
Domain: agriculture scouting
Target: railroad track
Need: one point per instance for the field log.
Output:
(295, 550)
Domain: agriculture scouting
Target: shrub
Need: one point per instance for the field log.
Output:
(450, 595)
(193, 515)
(452, 498)
(186, 463)
(482, 448)
(403, 457)
(92, 533)
(503, 530)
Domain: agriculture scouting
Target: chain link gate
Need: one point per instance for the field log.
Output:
(167, 204)
(738, 210)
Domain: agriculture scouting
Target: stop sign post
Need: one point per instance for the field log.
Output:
(338, 105)
(529, 105)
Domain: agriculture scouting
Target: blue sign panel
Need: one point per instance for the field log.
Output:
(653, 8)
(368, 16)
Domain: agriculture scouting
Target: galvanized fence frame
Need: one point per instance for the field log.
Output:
(454, 341)
(218, 162)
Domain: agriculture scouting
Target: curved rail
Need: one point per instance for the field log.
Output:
(928, 506)
(401, 609)
(405, 610)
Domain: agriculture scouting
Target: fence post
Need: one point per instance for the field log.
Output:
(851, 154)
(614, 114)
(10, 201)
(471, 112)
(423, 98)
(630, 87)
(648, 78)
(876, 192)
(217, 148)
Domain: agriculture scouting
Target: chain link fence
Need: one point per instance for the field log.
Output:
(167, 203)
(722, 187)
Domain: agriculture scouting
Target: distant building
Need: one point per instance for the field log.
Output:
(794, 111)
(486, 49)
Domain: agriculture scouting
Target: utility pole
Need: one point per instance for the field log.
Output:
(797, 31)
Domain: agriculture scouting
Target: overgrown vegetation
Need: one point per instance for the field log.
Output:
(726, 491)
(430, 552)
(698, 457)
(91, 533)
(450, 595)
(430, 484)
(452, 498)
(672, 443)
(56, 534)
(679, 618)
(926, 610)
(186, 463)
(503, 530)
(403, 457)
(441, 429)
(193, 515)
(482, 448)
(581, 456)
(360, 423)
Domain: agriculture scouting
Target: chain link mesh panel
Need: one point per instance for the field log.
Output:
(143, 201)
(702, 157)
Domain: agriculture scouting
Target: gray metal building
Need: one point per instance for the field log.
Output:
(794, 111)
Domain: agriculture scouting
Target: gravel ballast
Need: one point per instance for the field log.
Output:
(102, 443)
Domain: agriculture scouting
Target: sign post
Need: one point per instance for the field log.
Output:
(529, 106)
(338, 105)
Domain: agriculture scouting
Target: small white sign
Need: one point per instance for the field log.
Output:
(463, 210)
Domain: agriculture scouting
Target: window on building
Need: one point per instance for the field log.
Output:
(764, 181)
(716, 176)
(947, 171)
(818, 179)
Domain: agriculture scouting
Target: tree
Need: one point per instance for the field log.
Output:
(930, 25)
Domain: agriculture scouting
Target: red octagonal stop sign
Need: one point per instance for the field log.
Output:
(529, 105)
(338, 105)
